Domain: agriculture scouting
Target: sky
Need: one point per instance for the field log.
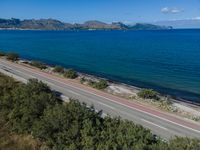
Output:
(127, 11)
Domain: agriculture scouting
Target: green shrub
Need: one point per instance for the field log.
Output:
(184, 143)
(71, 74)
(12, 56)
(58, 69)
(102, 84)
(148, 94)
(38, 64)
(82, 80)
(34, 109)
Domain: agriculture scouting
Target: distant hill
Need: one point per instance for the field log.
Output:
(51, 24)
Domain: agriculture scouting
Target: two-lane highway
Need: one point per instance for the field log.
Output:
(161, 123)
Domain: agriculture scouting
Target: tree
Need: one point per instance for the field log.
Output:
(71, 74)
(12, 56)
(58, 69)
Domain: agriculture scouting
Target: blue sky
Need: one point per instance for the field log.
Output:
(105, 10)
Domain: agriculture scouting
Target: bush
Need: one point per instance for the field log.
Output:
(148, 94)
(184, 143)
(58, 69)
(71, 74)
(29, 103)
(33, 109)
(82, 80)
(38, 64)
(12, 56)
(102, 84)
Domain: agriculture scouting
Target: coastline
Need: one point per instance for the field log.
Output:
(167, 103)
(185, 109)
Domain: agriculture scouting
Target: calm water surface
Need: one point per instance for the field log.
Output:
(168, 60)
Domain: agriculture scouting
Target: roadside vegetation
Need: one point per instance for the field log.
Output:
(10, 56)
(13, 141)
(59, 69)
(38, 64)
(148, 94)
(71, 74)
(33, 109)
(100, 84)
(153, 97)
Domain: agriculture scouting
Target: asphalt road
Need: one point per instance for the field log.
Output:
(163, 124)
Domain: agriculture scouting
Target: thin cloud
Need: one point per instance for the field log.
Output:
(196, 18)
(168, 10)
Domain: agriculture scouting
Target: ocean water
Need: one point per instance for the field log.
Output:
(165, 60)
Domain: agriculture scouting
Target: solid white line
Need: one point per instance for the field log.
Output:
(154, 124)
(114, 101)
(106, 105)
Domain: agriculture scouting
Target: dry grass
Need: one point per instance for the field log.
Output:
(12, 141)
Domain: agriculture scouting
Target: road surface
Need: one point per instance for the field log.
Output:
(160, 123)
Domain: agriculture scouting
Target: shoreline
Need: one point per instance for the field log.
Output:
(186, 109)
(165, 92)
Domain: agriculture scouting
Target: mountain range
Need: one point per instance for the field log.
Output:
(52, 24)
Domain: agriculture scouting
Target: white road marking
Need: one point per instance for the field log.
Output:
(110, 100)
(154, 124)
(106, 105)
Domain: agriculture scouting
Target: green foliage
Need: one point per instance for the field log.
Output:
(7, 85)
(196, 118)
(58, 69)
(180, 143)
(148, 94)
(12, 56)
(12, 141)
(62, 126)
(71, 74)
(82, 80)
(102, 84)
(38, 64)
(29, 103)
(34, 109)
(23, 104)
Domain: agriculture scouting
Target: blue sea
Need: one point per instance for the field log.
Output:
(165, 60)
